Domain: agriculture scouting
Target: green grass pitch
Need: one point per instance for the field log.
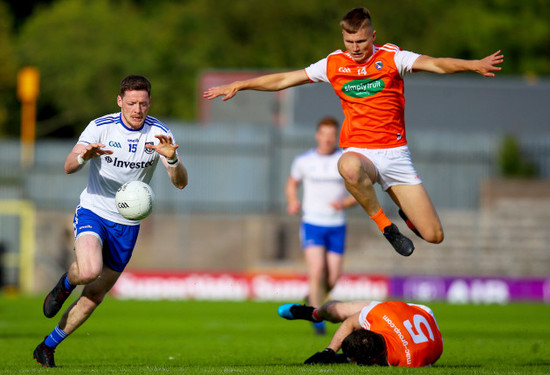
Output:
(198, 337)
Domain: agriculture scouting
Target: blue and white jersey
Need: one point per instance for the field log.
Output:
(129, 161)
(322, 185)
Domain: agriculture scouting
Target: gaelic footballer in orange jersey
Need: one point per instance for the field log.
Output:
(391, 333)
(410, 331)
(371, 94)
(368, 79)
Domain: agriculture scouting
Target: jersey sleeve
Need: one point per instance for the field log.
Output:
(173, 139)
(428, 310)
(404, 61)
(317, 72)
(363, 316)
(90, 134)
(296, 171)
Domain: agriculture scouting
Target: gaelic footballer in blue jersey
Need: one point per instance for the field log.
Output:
(119, 147)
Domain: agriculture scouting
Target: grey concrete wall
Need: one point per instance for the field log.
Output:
(508, 236)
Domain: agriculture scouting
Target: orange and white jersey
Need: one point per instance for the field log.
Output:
(371, 94)
(411, 332)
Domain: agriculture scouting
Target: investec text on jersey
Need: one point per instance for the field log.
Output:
(129, 164)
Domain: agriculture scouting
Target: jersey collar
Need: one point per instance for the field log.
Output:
(127, 128)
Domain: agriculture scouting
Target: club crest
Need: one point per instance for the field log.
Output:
(149, 150)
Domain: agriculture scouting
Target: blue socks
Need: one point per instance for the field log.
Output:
(58, 334)
(68, 284)
(55, 337)
(319, 328)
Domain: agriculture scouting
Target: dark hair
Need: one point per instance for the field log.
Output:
(365, 348)
(331, 121)
(356, 19)
(135, 83)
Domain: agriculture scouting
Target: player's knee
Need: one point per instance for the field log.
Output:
(435, 236)
(350, 169)
(88, 275)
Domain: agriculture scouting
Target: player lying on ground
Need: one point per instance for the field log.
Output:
(390, 333)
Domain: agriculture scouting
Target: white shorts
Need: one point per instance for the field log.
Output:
(393, 165)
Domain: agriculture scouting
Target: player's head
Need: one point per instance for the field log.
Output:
(134, 100)
(358, 34)
(135, 83)
(328, 121)
(355, 20)
(365, 347)
(327, 135)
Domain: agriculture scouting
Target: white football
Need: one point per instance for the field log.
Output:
(134, 200)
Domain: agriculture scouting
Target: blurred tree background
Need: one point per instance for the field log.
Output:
(83, 48)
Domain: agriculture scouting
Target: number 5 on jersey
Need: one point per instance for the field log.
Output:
(416, 332)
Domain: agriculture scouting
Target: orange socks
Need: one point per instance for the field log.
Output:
(381, 220)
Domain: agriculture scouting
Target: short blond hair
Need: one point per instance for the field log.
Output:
(355, 20)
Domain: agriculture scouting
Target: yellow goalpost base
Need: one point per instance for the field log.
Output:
(24, 259)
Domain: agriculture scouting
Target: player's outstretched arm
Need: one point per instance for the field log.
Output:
(81, 153)
(346, 328)
(269, 82)
(446, 65)
(329, 354)
(176, 171)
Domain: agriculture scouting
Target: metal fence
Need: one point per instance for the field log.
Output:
(243, 168)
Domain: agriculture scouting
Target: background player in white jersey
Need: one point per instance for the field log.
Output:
(120, 147)
(368, 79)
(323, 228)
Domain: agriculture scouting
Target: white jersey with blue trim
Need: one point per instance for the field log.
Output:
(130, 161)
(322, 185)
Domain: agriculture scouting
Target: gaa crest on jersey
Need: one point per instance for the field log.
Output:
(379, 65)
(149, 150)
